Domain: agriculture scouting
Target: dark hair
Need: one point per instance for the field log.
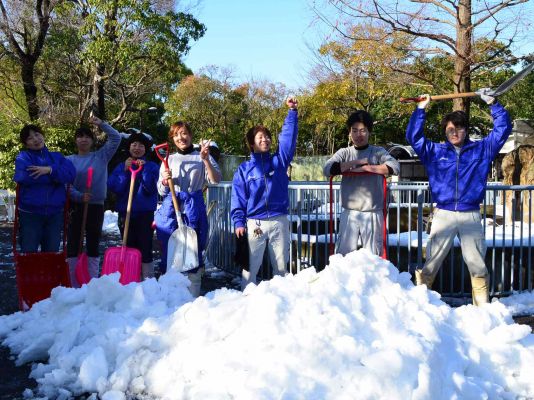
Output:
(25, 132)
(252, 132)
(85, 131)
(360, 116)
(458, 119)
(177, 126)
(141, 138)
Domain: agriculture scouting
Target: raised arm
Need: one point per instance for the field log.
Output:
(502, 126)
(415, 128)
(287, 140)
(113, 141)
(213, 172)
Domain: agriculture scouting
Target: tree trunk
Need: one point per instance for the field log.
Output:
(30, 88)
(99, 92)
(464, 59)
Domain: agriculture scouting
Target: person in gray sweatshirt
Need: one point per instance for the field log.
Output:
(362, 196)
(98, 160)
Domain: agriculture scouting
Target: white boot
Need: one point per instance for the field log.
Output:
(94, 267)
(196, 281)
(147, 270)
(71, 262)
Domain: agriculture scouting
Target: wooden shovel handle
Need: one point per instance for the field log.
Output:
(165, 160)
(88, 185)
(438, 97)
(130, 200)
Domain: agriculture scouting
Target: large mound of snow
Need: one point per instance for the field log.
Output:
(357, 330)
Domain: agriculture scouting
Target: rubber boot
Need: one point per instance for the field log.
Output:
(71, 262)
(422, 279)
(94, 267)
(480, 292)
(147, 270)
(196, 281)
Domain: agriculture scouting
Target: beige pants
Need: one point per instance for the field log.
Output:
(446, 225)
(275, 236)
(364, 225)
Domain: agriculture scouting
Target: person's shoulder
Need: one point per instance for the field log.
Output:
(345, 151)
(245, 166)
(377, 148)
(57, 154)
(22, 155)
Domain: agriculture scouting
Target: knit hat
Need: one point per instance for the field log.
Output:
(141, 138)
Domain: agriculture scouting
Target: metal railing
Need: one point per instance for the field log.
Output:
(506, 213)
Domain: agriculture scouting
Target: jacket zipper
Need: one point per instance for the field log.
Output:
(266, 191)
(457, 168)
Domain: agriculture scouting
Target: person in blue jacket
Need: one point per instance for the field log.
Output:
(457, 173)
(145, 198)
(260, 199)
(42, 177)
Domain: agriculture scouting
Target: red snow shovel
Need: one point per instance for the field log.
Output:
(39, 273)
(82, 271)
(182, 249)
(122, 259)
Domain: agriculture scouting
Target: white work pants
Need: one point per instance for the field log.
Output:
(275, 236)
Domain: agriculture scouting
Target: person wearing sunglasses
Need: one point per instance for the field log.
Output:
(457, 173)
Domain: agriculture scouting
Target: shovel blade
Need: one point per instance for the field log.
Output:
(126, 260)
(82, 270)
(182, 250)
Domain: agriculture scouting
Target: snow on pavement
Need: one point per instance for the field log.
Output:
(357, 330)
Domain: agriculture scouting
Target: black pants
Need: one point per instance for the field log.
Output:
(140, 233)
(93, 229)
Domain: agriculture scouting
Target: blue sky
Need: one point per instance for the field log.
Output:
(267, 39)
(260, 39)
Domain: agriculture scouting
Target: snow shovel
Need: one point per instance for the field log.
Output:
(182, 249)
(38, 273)
(82, 271)
(122, 259)
(503, 88)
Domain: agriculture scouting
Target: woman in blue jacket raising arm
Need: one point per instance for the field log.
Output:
(260, 199)
(42, 176)
(457, 172)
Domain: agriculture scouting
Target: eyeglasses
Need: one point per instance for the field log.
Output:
(360, 131)
(452, 131)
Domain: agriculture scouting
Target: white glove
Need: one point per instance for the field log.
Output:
(485, 95)
(423, 103)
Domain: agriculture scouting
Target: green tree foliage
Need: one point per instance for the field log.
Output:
(220, 110)
(117, 55)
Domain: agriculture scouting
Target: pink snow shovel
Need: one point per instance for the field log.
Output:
(122, 259)
(82, 271)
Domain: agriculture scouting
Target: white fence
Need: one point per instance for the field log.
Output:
(506, 214)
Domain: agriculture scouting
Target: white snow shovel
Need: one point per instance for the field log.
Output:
(182, 250)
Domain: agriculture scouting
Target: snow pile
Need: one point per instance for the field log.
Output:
(110, 224)
(358, 329)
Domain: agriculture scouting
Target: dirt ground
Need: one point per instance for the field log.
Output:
(15, 379)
